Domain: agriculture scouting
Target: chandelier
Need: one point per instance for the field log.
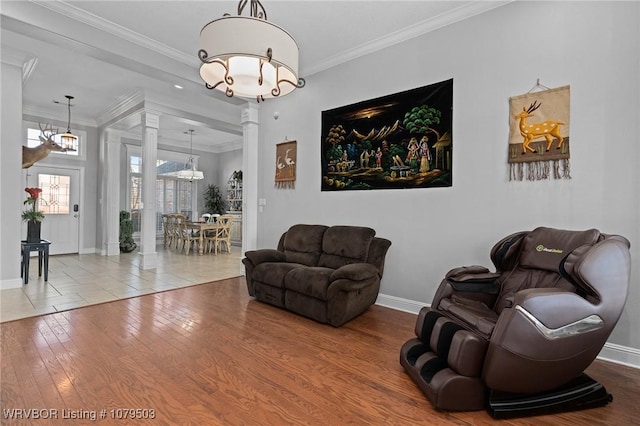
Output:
(68, 139)
(248, 56)
(190, 173)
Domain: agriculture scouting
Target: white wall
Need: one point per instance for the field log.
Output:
(591, 46)
(217, 169)
(11, 188)
(228, 162)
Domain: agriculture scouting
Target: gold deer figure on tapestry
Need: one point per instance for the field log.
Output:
(545, 129)
(32, 155)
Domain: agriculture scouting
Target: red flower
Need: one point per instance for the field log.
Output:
(33, 192)
(33, 214)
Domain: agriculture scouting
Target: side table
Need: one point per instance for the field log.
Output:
(42, 247)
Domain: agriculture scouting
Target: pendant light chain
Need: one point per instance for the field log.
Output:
(69, 120)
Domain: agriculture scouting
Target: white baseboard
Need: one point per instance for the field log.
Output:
(611, 352)
(400, 304)
(620, 355)
(11, 283)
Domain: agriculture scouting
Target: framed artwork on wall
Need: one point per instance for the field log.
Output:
(393, 142)
(539, 134)
(286, 158)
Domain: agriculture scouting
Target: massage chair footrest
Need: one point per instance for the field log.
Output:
(579, 394)
(447, 390)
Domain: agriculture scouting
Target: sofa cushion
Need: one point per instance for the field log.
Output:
(311, 281)
(273, 273)
(343, 245)
(303, 244)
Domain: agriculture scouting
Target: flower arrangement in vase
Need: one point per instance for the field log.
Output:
(32, 215)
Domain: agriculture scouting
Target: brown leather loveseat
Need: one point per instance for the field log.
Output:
(329, 274)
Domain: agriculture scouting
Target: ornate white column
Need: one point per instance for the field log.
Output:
(148, 255)
(112, 194)
(250, 128)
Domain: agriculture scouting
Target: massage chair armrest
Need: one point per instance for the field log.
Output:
(486, 282)
(553, 307)
(472, 282)
(548, 336)
(548, 324)
(257, 257)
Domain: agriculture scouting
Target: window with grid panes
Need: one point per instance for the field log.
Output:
(172, 195)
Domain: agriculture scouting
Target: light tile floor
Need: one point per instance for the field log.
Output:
(86, 279)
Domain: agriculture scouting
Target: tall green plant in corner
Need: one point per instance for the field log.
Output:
(214, 200)
(127, 245)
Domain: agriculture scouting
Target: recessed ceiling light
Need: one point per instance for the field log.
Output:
(177, 86)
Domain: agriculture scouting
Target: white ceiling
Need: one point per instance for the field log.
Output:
(105, 52)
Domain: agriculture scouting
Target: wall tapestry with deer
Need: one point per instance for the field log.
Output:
(539, 135)
(396, 141)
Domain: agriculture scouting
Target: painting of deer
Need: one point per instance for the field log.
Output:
(545, 129)
(32, 155)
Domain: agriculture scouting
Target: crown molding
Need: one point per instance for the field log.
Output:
(227, 146)
(121, 105)
(28, 110)
(463, 12)
(28, 68)
(73, 12)
(15, 57)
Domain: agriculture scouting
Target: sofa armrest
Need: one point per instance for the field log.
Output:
(265, 255)
(353, 277)
(354, 272)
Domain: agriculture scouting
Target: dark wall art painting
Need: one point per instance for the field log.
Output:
(392, 142)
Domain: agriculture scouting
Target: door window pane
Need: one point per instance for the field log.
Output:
(56, 193)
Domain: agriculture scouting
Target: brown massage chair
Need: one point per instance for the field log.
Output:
(516, 341)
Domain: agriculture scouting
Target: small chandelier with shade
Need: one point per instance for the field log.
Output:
(190, 173)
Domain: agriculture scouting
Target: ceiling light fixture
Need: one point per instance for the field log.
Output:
(68, 139)
(190, 173)
(249, 56)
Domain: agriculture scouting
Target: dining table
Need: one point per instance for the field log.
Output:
(202, 227)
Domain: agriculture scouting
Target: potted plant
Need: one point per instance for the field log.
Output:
(214, 200)
(127, 245)
(32, 215)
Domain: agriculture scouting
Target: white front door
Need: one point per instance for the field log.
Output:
(61, 200)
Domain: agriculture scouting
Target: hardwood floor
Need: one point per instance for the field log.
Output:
(211, 355)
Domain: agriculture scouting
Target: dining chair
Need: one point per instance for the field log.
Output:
(210, 237)
(166, 232)
(224, 233)
(188, 238)
(172, 237)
